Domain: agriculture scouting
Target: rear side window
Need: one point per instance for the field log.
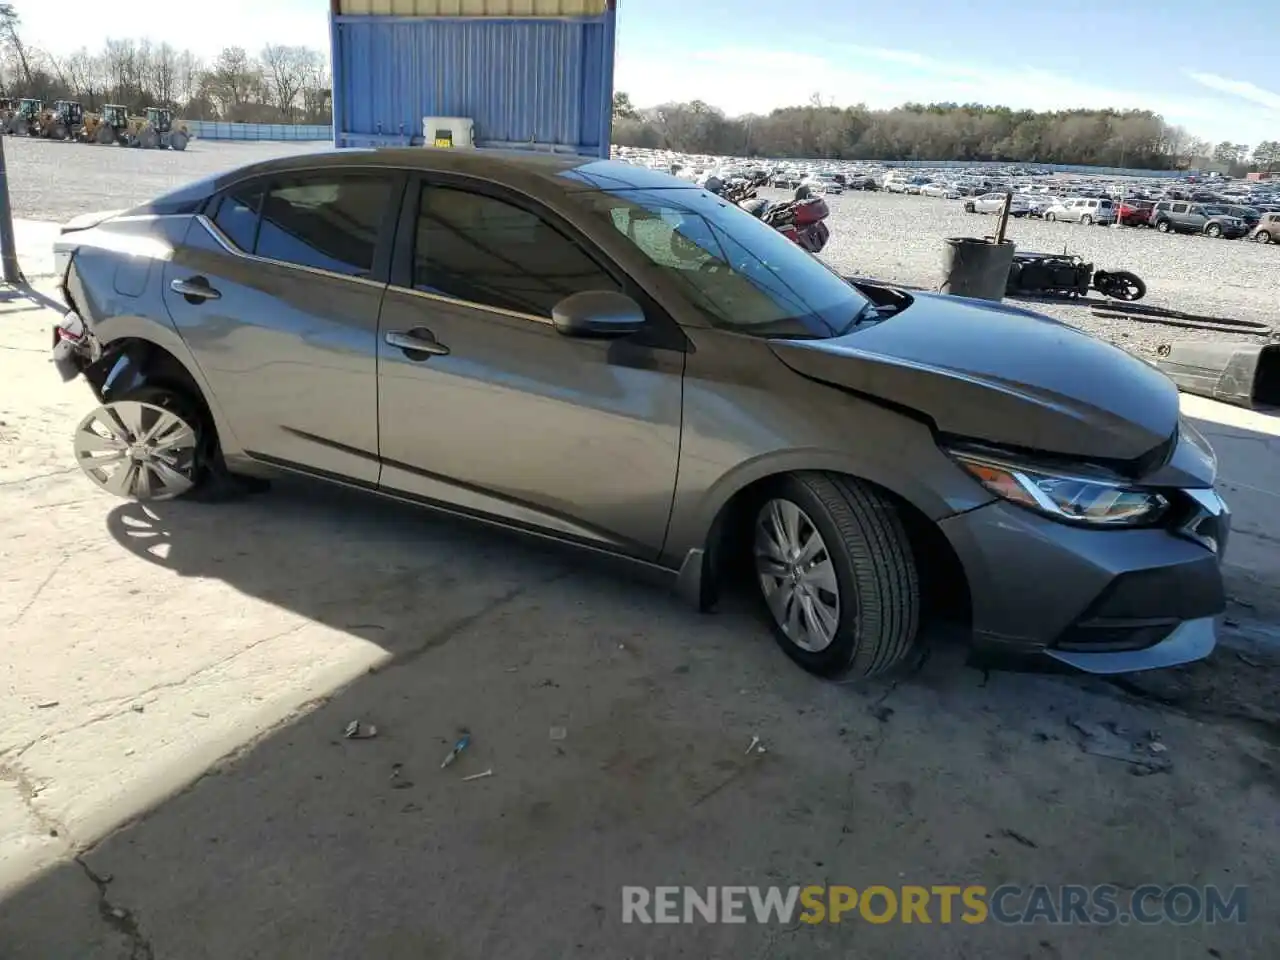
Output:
(237, 216)
(329, 223)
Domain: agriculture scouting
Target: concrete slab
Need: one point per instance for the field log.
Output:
(138, 646)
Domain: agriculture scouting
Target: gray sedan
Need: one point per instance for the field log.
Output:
(606, 356)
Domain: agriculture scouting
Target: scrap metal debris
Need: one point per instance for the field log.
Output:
(360, 731)
(755, 742)
(478, 776)
(462, 744)
(1108, 740)
(46, 704)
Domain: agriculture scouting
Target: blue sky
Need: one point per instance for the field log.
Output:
(1212, 67)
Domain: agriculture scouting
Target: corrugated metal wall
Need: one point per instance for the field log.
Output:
(473, 8)
(543, 80)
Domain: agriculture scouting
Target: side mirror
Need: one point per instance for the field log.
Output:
(597, 314)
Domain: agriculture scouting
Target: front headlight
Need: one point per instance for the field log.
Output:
(1073, 499)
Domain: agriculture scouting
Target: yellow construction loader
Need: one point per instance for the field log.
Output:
(27, 116)
(64, 122)
(113, 125)
(158, 131)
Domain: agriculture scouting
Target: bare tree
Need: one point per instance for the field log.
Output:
(9, 37)
(286, 69)
(163, 75)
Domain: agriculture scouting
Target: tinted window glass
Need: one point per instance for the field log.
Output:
(237, 216)
(741, 273)
(491, 252)
(331, 223)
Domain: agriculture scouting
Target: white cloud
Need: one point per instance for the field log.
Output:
(1238, 88)
(742, 80)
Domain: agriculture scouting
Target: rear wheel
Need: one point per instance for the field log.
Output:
(105, 134)
(1262, 236)
(1051, 217)
(147, 444)
(837, 575)
(178, 140)
(970, 208)
(1163, 226)
(1086, 221)
(1213, 230)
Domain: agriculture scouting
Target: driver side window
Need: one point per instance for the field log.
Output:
(493, 253)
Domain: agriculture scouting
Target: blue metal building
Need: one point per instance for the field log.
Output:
(535, 74)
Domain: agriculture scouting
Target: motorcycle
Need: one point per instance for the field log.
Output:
(801, 219)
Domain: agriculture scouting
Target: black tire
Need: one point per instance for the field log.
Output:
(1163, 226)
(1120, 285)
(875, 572)
(1213, 230)
(1086, 221)
(1262, 236)
(1051, 217)
(213, 482)
(970, 208)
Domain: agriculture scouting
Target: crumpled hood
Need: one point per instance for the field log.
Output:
(1001, 374)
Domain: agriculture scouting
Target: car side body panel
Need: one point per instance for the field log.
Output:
(291, 353)
(747, 417)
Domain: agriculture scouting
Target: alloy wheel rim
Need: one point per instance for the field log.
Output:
(797, 576)
(137, 450)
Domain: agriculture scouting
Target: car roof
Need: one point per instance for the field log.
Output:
(526, 170)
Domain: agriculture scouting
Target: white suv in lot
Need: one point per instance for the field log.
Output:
(994, 203)
(1084, 210)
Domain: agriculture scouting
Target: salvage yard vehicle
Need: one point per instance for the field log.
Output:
(605, 356)
(1267, 230)
(1067, 275)
(66, 120)
(157, 131)
(1212, 220)
(26, 117)
(112, 126)
(994, 203)
(1083, 210)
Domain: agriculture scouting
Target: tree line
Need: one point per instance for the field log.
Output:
(280, 84)
(937, 131)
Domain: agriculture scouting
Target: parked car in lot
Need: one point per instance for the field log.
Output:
(605, 356)
(1267, 230)
(1250, 215)
(1039, 204)
(1135, 213)
(994, 203)
(1213, 220)
(1085, 210)
(944, 191)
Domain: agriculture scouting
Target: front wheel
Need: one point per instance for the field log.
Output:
(837, 574)
(1163, 226)
(1086, 221)
(970, 208)
(1213, 230)
(1051, 217)
(1262, 236)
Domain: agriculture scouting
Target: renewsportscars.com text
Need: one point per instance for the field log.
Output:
(1102, 904)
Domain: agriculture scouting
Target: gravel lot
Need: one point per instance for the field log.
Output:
(899, 238)
(890, 236)
(56, 181)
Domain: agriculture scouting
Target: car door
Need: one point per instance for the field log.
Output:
(276, 291)
(501, 415)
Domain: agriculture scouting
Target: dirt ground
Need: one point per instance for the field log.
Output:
(231, 645)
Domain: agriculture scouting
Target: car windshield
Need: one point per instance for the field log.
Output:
(740, 273)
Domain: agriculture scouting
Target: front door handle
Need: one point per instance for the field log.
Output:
(417, 340)
(195, 289)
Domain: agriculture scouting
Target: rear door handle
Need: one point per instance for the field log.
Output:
(417, 340)
(195, 288)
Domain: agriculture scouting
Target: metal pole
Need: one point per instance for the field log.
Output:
(1004, 216)
(8, 248)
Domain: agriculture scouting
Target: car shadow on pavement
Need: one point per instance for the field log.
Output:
(617, 738)
(25, 291)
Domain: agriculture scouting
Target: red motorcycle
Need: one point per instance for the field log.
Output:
(801, 219)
